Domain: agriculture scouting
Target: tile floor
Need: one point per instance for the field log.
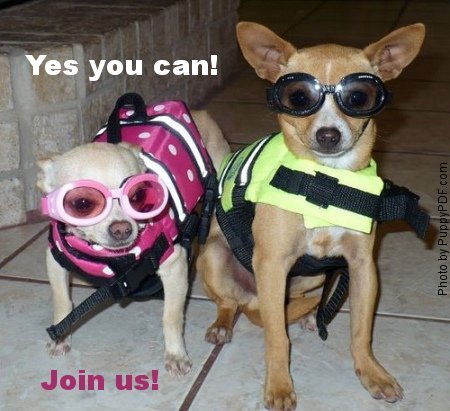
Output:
(412, 332)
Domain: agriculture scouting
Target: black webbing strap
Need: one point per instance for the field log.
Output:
(209, 202)
(124, 286)
(188, 231)
(140, 114)
(394, 202)
(327, 310)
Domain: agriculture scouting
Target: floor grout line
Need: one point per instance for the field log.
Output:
(303, 18)
(400, 13)
(16, 252)
(201, 377)
(405, 316)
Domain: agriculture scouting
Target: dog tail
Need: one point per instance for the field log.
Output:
(212, 136)
(297, 308)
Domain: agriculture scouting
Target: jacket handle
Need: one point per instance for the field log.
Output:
(140, 113)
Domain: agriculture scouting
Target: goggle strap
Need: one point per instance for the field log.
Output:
(270, 93)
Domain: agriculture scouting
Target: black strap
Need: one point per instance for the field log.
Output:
(124, 286)
(394, 203)
(188, 231)
(327, 310)
(140, 114)
(209, 201)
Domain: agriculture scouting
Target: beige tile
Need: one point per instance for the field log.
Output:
(420, 173)
(243, 122)
(413, 131)
(323, 371)
(408, 269)
(30, 263)
(13, 238)
(117, 340)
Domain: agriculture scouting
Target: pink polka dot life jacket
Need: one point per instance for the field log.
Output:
(173, 149)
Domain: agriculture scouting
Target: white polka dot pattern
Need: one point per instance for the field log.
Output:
(160, 107)
(173, 149)
(144, 134)
(136, 251)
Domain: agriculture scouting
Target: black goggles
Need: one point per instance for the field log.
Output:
(301, 95)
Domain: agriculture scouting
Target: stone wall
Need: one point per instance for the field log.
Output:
(44, 115)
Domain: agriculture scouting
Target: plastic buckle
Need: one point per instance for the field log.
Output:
(119, 289)
(320, 189)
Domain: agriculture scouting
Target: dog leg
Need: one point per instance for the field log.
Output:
(363, 293)
(62, 304)
(174, 276)
(215, 265)
(274, 254)
(221, 330)
(300, 309)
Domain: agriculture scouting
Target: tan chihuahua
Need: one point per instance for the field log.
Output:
(333, 131)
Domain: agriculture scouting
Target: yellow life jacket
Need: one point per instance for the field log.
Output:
(256, 166)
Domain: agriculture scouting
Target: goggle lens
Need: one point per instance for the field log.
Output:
(145, 196)
(360, 96)
(84, 202)
(301, 96)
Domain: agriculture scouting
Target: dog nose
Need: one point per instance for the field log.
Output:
(328, 138)
(120, 230)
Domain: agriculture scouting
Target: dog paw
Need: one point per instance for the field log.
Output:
(281, 400)
(380, 384)
(57, 349)
(218, 335)
(308, 322)
(177, 365)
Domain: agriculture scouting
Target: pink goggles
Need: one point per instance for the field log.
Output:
(87, 202)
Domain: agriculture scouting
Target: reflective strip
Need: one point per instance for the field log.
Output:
(244, 170)
(187, 137)
(165, 177)
(225, 171)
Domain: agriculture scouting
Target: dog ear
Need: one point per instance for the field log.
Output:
(390, 55)
(45, 175)
(263, 49)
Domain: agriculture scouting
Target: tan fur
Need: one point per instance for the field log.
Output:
(111, 164)
(279, 244)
